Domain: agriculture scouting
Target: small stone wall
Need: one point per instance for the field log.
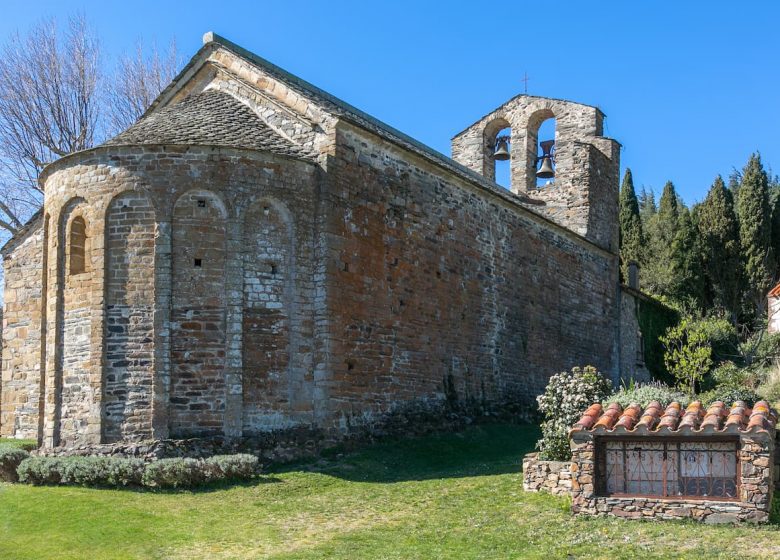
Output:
(756, 488)
(551, 476)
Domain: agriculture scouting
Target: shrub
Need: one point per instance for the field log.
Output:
(688, 355)
(82, 471)
(175, 473)
(40, 470)
(567, 396)
(730, 395)
(645, 393)
(102, 471)
(728, 374)
(770, 389)
(241, 466)
(10, 458)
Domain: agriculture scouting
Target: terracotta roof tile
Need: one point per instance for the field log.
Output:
(775, 292)
(718, 418)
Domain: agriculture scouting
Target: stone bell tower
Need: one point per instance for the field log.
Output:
(583, 195)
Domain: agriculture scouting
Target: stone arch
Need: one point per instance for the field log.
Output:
(531, 127)
(198, 314)
(489, 134)
(73, 394)
(269, 341)
(129, 335)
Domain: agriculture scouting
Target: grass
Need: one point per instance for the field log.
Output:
(449, 496)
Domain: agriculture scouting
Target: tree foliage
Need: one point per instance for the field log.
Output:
(688, 355)
(755, 234)
(631, 235)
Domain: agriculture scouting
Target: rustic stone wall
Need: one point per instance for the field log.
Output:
(549, 476)
(174, 221)
(756, 489)
(632, 359)
(440, 290)
(20, 389)
(129, 330)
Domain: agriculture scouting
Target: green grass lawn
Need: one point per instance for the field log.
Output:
(448, 496)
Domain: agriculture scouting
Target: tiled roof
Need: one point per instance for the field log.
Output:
(775, 292)
(695, 420)
(211, 118)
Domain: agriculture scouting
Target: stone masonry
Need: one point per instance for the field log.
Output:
(256, 256)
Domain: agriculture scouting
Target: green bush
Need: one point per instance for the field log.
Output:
(770, 388)
(645, 393)
(567, 396)
(730, 395)
(175, 473)
(102, 471)
(82, 471)
(241, 466)
(40, 470)
(10, 458)
(120, 472)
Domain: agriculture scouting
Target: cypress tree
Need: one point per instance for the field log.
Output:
(719, 237)
(755, 235)
(686, 278)
(660, 232)
(631, 235)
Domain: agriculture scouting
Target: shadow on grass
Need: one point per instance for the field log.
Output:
(484, 449)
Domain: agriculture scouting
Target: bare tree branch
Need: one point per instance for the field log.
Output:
(138, 81)
(49, 107)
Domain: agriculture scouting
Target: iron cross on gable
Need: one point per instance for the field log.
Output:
(524, 79)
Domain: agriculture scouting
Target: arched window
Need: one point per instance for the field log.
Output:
(78, 246)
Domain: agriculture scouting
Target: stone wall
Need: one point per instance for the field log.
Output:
(548, 476)
(632, 356)
(753, 505)
(439, 289)
(129, 330)
(176, 224)
(20, 389)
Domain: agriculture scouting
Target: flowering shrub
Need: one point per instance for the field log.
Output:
(730, 395)
(567, 396)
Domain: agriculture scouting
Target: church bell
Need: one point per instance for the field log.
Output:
(546, 170)
(502, 150)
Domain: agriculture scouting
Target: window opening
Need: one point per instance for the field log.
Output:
(78, 246)
(502, 157)
(545, 159)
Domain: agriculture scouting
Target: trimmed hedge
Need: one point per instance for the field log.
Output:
(10, 459)
(120, 472)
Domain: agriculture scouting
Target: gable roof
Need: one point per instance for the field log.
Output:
(334, 106)
(212, 118)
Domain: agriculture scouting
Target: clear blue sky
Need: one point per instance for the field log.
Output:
(689, 88)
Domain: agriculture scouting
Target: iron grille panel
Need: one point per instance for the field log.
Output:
(694, 469)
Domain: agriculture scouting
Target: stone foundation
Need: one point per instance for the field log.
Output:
(550, 476)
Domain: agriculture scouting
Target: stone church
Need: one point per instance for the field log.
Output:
(256, 255)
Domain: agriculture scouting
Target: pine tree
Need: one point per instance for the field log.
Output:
(631, 235)
(719, 237)
(755, 235)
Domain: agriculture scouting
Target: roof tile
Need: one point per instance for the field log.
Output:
(719, 417)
